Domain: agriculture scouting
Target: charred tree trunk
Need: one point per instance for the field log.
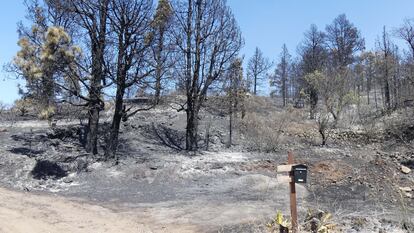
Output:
(313, 103)
(375, 98)
(284, 90)
(387, 94)
(97, 36)
(368, 87)
(193, 95)
(113, 139)
(159, 65)
(192, 127)
(95, 106)
(189, 136)
(48, 92)
(255, 85)
(93, 128)
(230, 127)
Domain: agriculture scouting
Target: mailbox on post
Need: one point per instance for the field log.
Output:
(297, 174)
(300, 173)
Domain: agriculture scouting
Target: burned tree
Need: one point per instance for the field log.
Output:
(406, 33)
(343, 40)
(313, 57)
(130, 23)
(46, 52)
(280, 78)
(208, 39)
(92, 17)
(257, 67)
(57, 24)
(385, 47)
(235, 91)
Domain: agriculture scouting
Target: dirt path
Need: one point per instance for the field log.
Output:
(25, 212)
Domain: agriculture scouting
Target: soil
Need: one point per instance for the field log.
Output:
(50, 183)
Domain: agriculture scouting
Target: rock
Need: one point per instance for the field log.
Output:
(217, 166)
(406, 189)
(67, 180)
(405, 169)
(408, 195)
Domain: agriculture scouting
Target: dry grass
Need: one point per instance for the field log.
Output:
(264, 131)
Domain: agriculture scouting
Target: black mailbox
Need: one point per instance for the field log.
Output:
(300, 173)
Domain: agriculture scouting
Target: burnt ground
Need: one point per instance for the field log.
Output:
(220, 190)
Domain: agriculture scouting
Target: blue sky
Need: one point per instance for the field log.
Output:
(264, 23)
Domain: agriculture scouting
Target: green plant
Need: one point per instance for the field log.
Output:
(279, 223)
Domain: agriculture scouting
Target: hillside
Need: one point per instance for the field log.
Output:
(357, 176)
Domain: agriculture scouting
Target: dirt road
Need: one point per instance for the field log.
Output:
(31, 213)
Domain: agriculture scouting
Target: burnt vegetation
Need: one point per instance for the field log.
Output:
(114, 80)
(98, 56)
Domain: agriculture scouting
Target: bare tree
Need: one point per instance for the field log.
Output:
(280, 79)
(296, 82)
(257, 67)
(406, 33)
(385, 47)
(92, 17)
(211, 40)
(313, 57)
(368, 65)
(343, 40)
(235, 89)
(131, 30)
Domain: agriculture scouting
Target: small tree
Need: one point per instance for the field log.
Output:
(22, 106)
(334, 91)
(280, 79)
(257, 67)
(324, 125)
(41, 61)
(235, 89)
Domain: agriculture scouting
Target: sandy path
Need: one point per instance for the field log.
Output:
(30, 213)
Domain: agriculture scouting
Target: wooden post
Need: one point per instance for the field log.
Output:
(293, 208)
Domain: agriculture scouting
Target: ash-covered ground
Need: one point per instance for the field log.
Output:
(218, 189)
